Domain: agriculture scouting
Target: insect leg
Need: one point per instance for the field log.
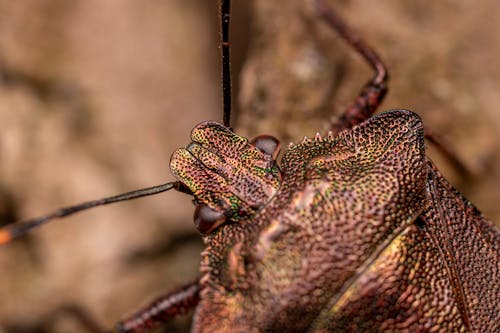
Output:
(162, 310)
(372, 94)
(374, 90)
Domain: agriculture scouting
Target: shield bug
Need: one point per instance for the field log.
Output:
(348, 76)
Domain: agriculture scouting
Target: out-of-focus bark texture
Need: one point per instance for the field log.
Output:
(96, 95)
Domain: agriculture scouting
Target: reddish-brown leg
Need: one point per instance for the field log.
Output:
(161, 310)
(158, 312)
(374, 90)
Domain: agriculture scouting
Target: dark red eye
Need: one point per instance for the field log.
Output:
(207, 219)
(267, 144)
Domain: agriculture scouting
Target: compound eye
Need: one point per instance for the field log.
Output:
(206, 219)
(267, 144)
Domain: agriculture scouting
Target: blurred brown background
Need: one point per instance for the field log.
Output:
(96, 95)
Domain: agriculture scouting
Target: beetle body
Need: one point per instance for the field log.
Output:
(362, 234)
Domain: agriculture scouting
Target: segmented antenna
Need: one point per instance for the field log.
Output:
(225, 7)
(20, 228)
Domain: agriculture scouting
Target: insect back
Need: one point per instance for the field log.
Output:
(340, 202)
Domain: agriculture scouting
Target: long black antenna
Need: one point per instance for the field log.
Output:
(225, 8)
(18, 229)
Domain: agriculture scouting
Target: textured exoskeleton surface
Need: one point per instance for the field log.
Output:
(225, 172)
(354, 233)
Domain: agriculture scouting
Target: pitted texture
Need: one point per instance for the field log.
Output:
(470, 247)
(225, 172)
(406, 289)
(351, 242)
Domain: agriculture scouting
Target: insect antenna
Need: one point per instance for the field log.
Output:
(15, 230)
(226, 61)
(18, 229)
